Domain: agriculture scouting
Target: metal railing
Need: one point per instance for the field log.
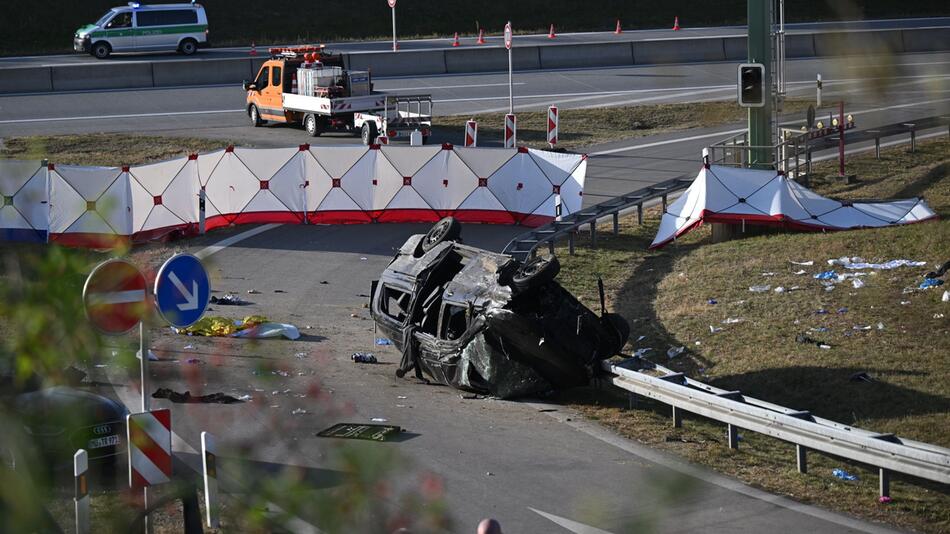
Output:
(524, 245)
(887, 452)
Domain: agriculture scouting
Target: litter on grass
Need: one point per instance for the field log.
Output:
(857, 283)
(151, 356)
(946, 296)
(800, 272)
(843, 475)
(714, 329)
(675, 351)
(804, 263)
(859, 263)
(930, 282)
(760, 289)
(732, 320)
(639, 353)
(861, 377)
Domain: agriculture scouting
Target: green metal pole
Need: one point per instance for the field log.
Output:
(760, 51)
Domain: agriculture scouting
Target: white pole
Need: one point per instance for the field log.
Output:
(81, 497)
(818, 89)
(210, 472)
(511, 98)
(394, 29)
(143, 347)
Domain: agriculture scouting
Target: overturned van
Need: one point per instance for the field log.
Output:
(486, 323)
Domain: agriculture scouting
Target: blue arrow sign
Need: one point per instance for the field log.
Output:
(182, 290)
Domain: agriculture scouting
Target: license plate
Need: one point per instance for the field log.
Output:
(104, 441)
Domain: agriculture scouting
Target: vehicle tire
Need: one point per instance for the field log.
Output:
(535, 272)
(369, 133)
(255, 116)
(618, 326)
(101, 50)
(188, 47)
(447, 229)
(312, 125)
(425, 139)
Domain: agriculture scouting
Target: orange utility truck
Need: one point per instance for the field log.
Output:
(307, 85)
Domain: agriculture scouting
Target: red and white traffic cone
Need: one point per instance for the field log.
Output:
(456, 41)
(253, 49)
(481, 37)
(676, 24)
(619, 30)
(551, 34)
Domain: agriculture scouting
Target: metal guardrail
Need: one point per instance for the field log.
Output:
(525, 245)
(887, 452)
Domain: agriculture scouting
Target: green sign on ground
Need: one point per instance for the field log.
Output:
(360, 431)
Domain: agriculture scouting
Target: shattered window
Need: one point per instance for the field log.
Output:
(395, 303)
(454, 322)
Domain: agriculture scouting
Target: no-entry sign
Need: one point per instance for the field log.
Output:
(115, 297)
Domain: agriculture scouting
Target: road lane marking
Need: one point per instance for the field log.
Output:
(225, 243)
(573, 526)
(124, 116)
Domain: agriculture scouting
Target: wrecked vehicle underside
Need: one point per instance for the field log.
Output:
(484, 322)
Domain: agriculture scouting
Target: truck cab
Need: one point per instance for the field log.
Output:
(277, 76)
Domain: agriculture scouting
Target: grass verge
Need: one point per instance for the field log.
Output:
(665, 295)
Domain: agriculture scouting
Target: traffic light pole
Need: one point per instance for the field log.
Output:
(760, 51)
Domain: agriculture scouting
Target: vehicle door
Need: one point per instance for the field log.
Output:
(162, 29)
(441, 351)
(119, 32)
(271, 101)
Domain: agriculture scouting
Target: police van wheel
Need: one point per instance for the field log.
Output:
(101, 50)
(255, 116)
(188, 47)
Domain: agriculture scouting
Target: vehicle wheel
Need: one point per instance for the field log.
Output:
(620, 327)
(425, 139)
(313, 126)
(447, 229)
(101, 50)
(369, 133)
(255, 116)
(537, 271)
(188, 47)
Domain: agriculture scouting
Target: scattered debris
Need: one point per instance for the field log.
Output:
(152, 357)
(193, 361)
(884, 499)
(187, 398)
(800, 272)
(641, 338)
(760, 289)
(323, 282)
(930, 282)
(938, 316)
(819, 329)
(230, 299)
(905, 302)
(379, 420)
(675, 351)
(826, 275)
(188, 347)
(362, 258)
(360, 431)
(363, 357)
(861, 327)
(253, 292)
(639, 353)
(383, 341)
(279, 291)
(470, 396)
(714, 329)
(806, 340)
(245, 398)
(843, 475)
(768, 274)
(299, 411)
(821, 311)
(712, 301)
(946, 296)
(780, 289)
(804, 263)
(880, 326)
(861, 377)
(733, 320)
(856, 263)
(942, 270)
(300, 355)
(842, 310)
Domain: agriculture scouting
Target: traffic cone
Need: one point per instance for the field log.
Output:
(676, 24)
(253, 49)
(481, 37)
(551, 34)
(618, 31)
(456, 41)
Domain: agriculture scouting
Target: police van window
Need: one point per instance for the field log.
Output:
(168, 17)
(122, 20)
(102, 20)
(275, 78)
(262, 78)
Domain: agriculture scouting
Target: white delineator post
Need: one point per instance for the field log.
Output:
(818, 92)
(511, 130)
(552, 126)
(511, 98)
(392, 5)
(209, 453)
(81, 497)
(471, 134)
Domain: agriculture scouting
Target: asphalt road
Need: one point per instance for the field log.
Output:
(495, 40)
(531, 466)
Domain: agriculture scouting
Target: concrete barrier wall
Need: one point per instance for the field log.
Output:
(130, 75)
(583, 55)
(858, 43)
(104, 76)
(399, 63)
(678, 51)
(26, 80)
(215, 71)
(926, 40)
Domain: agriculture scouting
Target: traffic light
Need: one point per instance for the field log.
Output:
(752, 90)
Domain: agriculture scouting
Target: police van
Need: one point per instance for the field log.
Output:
(145, 28)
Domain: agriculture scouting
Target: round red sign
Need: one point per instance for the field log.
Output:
(115, 297)
(392, 3)
(508, 36)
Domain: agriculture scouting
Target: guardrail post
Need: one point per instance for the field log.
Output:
(732, 437)
(801, 453)
(913, 138)
(617, 223)
(593, 234)
(631, 400)
(640, 213)
(570, 243)
(677, 417)
(877, 147)
(884, 482)
(664, 202)
(551, 246)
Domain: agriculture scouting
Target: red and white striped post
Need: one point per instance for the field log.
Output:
(150, 451)
(81, 497)
(209, 462)
(471, 134)
(511, 130)
(552, 126)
